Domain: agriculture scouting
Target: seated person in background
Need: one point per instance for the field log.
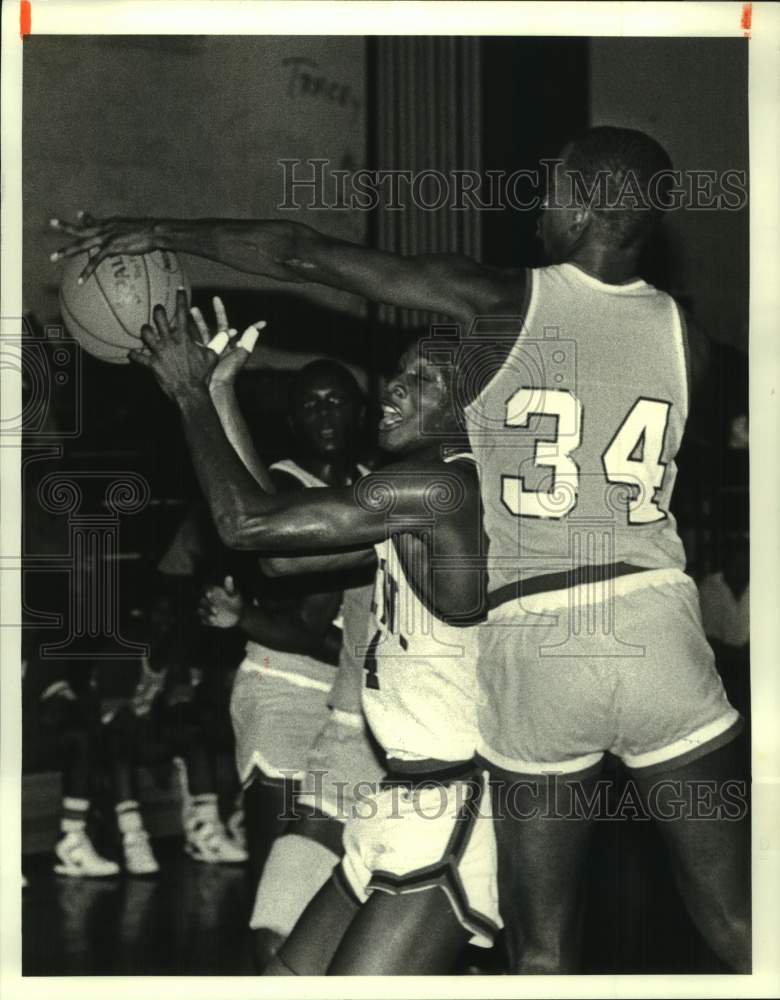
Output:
(206, 658)
(58, 733)
(152, 717)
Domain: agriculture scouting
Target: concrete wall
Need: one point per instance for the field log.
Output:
(187, 126)
(691, 95)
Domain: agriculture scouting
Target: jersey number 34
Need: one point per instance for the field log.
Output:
(633, 456)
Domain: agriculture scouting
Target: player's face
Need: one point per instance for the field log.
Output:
(326, 414)
(416, 403)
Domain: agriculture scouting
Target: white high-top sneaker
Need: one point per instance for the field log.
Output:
(78, 858)
(139, 859)
(206, 840)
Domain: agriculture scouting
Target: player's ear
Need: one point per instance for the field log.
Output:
(579, 219)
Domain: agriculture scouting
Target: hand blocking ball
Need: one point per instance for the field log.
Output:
(106, 313)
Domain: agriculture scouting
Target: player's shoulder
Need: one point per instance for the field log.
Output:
(287, 476)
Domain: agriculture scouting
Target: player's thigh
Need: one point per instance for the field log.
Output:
(310, 948)
(701, 809)
(323, 829)
(394, 935)
(543, 826)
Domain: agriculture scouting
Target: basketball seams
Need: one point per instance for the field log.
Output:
(96, 312)
(111, 304)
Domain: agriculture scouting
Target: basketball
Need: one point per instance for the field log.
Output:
(106, 313)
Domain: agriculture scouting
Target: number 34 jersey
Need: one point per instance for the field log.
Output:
(575, 436)
(420, 692)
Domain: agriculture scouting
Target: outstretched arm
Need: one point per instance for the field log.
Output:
(222, 386)
(247, 517)
(448, 284)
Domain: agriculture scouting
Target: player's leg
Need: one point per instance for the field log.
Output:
(130, 742)
(266, 816)
(703, 818)
(674, 715)
(297, 868)
(63, 725)
(401, 935)
(540, 867)
(543, 731)
(299, 862)
(309, 950)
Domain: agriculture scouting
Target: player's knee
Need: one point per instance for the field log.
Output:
(265, 946)
(278, 967)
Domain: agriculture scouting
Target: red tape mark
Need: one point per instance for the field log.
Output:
(25, 18)
(746, 19)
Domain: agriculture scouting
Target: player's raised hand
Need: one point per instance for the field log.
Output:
(221, 607)
(103, 237)
(179, 362)
(233, 354)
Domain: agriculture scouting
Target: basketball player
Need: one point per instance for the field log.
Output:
(576, 441)
(279, 705)
(280, 698)
(419, 520)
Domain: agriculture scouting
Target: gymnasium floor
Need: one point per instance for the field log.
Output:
(191, 919)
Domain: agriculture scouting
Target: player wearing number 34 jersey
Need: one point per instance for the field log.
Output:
(597, 643)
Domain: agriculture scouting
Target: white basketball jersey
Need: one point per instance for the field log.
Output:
(347, 691)
(420, 693)
(304, 669)
(575, 436)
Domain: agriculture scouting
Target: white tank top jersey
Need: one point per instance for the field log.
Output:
(298, 668)
(575, 436)
(347, 692)
(420, 693)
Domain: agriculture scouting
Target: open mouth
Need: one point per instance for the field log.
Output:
(391, 417)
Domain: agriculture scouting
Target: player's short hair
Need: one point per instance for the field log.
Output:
(328, 370)
(626, 174)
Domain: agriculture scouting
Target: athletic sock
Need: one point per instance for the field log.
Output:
(296, 870)
(128, 817)
(74, 815)
(204, 808)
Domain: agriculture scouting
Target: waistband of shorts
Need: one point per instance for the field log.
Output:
(586, 590)
(562, 580)
(250, 666)
(417, 773)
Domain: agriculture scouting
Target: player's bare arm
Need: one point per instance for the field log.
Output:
(293, 626)
(331, 562)
(448, 284)
(419, 494)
